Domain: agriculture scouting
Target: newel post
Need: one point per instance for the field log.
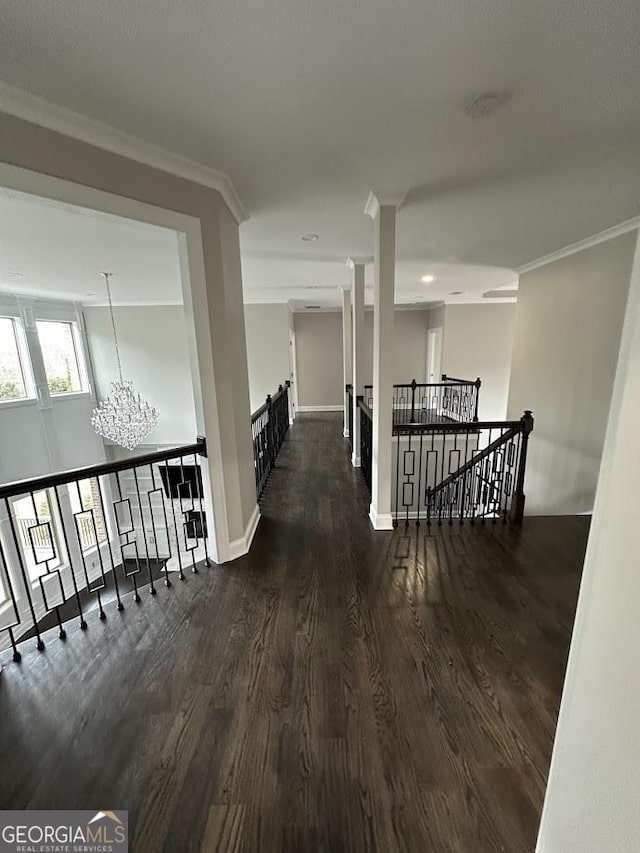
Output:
(478, 383)
(517, 505)
(270, 434)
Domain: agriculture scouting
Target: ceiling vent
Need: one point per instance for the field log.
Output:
(487, 104)
(311, 307)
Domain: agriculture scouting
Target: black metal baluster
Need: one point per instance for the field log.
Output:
(397, 512)
(132, 575)
(407, 475)
(76, 591)
(25, 579)
(194, 568)
(119, 605)
(203, 519)
(61, 632)
(154, 531)
(101, 613)
(152, 589)
(175, 525)
(17, 657)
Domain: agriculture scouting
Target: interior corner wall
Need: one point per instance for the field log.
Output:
(591, 802)
(478, 342)
(267, 332)
(568, 328)
(155, 356)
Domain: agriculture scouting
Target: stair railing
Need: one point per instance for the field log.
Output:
(449, 400)
(66, 554)
(464, 471)
(269, 426)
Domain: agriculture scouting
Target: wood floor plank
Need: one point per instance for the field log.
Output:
(335, 690)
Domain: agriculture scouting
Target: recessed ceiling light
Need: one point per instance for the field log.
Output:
(14, 276)
(456, 293)
(427, 279)
(309, 238)
(90, 293)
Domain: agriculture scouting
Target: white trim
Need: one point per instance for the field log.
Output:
(363, 261)
(380, 520)
(345, 433)
(356, 461)
(376, 200)
(321, 408)
(24, 105)
(240, 547)
(581, 245)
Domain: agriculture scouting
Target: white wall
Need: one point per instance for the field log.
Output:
(478, 341)
(568, 327)
(267, 331)
(591, 803)
(319, 353)
(155, 356)
(319, 359)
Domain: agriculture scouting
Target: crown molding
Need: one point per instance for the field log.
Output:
(376, 200)
(581, 245)
(358, 261)
(32, 108)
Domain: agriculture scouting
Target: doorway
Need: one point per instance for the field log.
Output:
(434, 354)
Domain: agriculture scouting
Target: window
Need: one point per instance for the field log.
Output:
(63, 363)
(37, 528)
(13, 384)
(84, 497)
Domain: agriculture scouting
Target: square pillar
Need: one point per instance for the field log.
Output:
(347, 357)
(383, 212)
(357, 266)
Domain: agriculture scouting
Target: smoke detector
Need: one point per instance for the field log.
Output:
(487, 104)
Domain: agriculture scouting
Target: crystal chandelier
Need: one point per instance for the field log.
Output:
(125, 417)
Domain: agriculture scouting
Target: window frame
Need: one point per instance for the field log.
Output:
(24, 362)
(80, 358)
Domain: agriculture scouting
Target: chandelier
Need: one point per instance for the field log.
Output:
(125, 417)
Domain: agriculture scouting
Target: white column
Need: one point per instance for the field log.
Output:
(212, 291)
(383, 212)
(357, 266)
(591, 802)
(347, 357)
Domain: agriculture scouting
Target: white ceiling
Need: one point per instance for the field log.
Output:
(58, 251)
(308, 105)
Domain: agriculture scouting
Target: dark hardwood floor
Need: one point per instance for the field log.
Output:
(335, 690)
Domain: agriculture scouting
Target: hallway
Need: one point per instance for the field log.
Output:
(335, 690)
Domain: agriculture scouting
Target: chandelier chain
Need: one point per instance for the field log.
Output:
(107, 276)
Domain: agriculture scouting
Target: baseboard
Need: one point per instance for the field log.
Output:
(291, 421)
(380, 520)
(240, 547)
(356, 461)
(345, 433)
(321, 408)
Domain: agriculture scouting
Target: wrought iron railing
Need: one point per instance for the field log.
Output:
(269, 425)
(447, 471)
(153, 509)
(366, 441)
(349, 404)
(433, 402)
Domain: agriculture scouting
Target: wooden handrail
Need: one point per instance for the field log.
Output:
(452, 426)
(60, 478)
